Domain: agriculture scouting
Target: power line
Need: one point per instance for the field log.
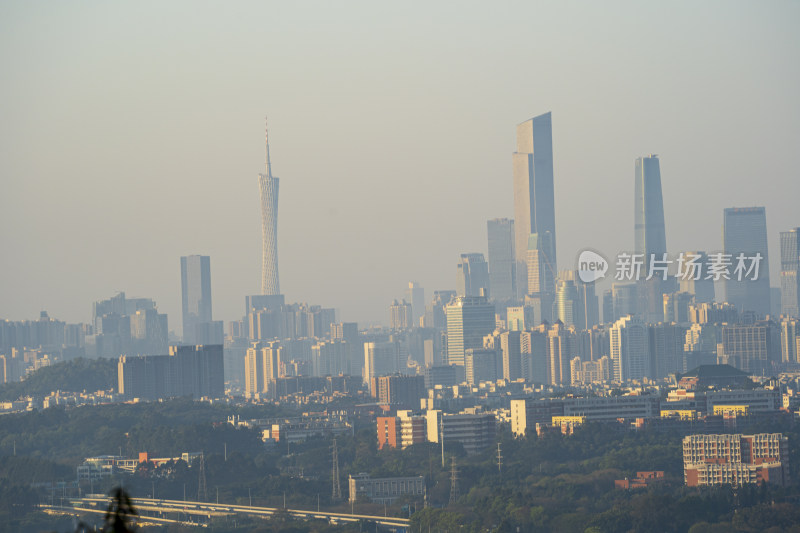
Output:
(337, 489)
(202, 494)
(499, 460)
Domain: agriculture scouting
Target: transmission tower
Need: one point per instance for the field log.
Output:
(499, 460)
(453, 483)
(202, 495)
(337, 489)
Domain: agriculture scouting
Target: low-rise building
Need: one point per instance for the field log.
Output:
(384, 490)
(401, 431)
(641, 481)
(472, 429)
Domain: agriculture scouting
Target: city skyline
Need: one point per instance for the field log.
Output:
(354, 180)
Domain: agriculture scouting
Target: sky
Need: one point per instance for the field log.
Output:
(132, 133)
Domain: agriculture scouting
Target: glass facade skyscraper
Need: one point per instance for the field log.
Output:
(649, 230)
(195, 295)
(502, 267)
(790, 271)
(649, 233)
(534, 203)
(745, 232)
(472, 275)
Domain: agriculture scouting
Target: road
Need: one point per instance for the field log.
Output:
(197, 513)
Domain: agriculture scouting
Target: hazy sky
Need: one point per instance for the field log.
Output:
(132, 133)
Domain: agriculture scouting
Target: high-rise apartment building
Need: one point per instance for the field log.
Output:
(268, 186)
(434, 313)
(472, 277)
(330, 358)
(482, 364)
(676, 306)
(195, 371)
(750, 347)
(502, 262)
(519, 318)
(380, 359)
(735, 459)
(666, 349)
(534, 202)
(508, 345)
(630, 349)
(790, 273)
(126, 326)
(790, 340)
(562, 346)
(348, 331)
(399, 391)
(262, 364)
(401, 315)
(745, 234)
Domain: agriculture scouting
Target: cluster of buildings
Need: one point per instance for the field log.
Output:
(298, 429)
(473, 429)
(98, 468)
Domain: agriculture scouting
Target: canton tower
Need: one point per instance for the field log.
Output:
(268, 185)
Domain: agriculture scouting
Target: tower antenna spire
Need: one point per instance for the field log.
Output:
(269, 165)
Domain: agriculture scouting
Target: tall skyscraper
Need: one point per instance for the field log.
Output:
(650, 233)
(534, 203)
(561, 346)
(268, 185)
(745, 232)
(790, 273)
(400, 315)
(195, 294)
(575, 302)
(415, 295)
(630, 349)
(567, 306)
(540, 269)
(472, 275)
(693, 279)
(587, 299)
(469, 320)
(502, 267)
(649, 208)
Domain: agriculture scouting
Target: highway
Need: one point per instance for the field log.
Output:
(197, 513)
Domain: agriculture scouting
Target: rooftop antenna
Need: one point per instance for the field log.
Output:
(267, 162)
